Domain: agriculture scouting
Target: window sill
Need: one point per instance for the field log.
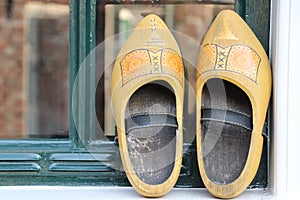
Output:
(112, 193)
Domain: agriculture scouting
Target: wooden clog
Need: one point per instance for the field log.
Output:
(147, 99)
(233, 91)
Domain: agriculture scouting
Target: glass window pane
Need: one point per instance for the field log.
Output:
(34, 69)
(187, 20)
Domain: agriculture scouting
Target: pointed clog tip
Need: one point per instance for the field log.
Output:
(224, 20)
(225, 32)
(152, 21)
(228, 27)
(153, 17)
(228, 13)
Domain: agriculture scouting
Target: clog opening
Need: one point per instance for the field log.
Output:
(226, 127)
(151, 128)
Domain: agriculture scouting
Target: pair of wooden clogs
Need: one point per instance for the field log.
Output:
(232, 93)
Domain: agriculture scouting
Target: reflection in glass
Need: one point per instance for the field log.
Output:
(187, 20)
(34, 69)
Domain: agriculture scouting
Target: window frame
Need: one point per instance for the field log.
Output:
(44, 161)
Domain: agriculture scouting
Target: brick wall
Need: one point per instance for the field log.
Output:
(14, 83)
(11, 71)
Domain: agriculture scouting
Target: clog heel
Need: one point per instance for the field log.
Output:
(233, 90)
(147, 99)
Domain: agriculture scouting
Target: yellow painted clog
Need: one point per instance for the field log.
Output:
(147, 99)
(233, 90)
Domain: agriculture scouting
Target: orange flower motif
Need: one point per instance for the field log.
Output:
(244, 60)
(145, 62)
(172, 64)
(133, 64)
(236, 58)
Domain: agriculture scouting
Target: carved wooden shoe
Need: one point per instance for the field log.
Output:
(233, 91)
(147, 98)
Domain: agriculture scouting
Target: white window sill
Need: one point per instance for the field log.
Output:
(113, 193)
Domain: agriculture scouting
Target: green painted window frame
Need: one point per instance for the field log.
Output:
(68, 161)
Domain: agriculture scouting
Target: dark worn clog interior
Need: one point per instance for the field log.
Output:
(151, 127)
(226, 127)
